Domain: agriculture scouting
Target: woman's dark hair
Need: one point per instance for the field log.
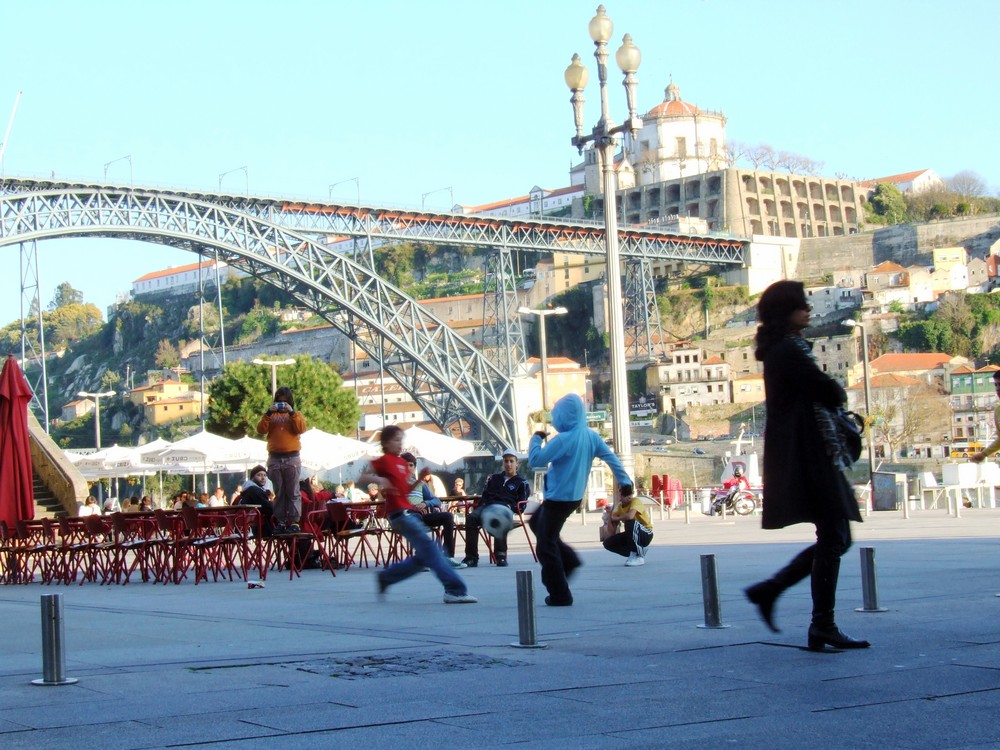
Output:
(284, 393)
(306, 487)
(774, 308)
(389, 432)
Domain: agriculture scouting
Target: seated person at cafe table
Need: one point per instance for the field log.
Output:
(253, 493)
(431, 511)
(507, 488)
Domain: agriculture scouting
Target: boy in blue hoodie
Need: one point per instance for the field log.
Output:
(568, 456)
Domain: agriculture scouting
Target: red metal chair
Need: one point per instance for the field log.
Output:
(133, 546)
(101, 552)
(316, 522)
(74, 548)
(177, 550)
(343, 533)
(211, 543)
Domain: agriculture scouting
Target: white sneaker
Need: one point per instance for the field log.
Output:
(458, 564)
(460, 599)
(634, 560)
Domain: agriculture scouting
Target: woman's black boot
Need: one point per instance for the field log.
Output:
(823, 631)
(832, 636)
(764, 595)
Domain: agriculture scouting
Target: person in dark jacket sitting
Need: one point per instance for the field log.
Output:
(507, 488)
(253, 493)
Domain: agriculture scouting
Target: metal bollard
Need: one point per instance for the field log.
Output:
(869, 582)
(53, 654)
(526, 612)
(687, 511)
(906, 506)
(710, 593)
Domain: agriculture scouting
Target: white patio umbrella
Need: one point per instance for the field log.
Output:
(201, 453)
(435, 447)
(256, 454)
(323, 450)
(114, 462)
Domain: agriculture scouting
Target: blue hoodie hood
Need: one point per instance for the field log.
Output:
(568, 413)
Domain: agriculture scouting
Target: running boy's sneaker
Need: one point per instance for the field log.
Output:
(460, 599)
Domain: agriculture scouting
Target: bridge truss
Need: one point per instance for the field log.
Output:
(287, 244)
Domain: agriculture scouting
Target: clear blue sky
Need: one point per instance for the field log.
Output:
(413, 97)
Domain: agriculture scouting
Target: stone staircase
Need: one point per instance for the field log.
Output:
(47, 505)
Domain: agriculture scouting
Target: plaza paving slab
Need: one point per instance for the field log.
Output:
(321, 662)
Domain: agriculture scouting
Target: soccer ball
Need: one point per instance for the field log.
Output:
(497, 519)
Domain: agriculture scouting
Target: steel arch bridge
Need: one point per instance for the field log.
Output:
(276, 240)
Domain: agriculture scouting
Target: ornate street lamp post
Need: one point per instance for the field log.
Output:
(602, 136)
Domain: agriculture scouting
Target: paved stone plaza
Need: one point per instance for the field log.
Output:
(319, 662)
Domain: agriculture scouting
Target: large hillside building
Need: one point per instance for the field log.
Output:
(679, 165)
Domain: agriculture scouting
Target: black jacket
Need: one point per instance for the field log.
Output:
(510, 491)
(801, 482)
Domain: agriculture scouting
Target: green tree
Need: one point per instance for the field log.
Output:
(71, 322)
(193, 321)
(167, 355)
(395, 264)
(886, 206)
(239, 397)
(110, 379)
(926, 336)
(64, 295)
(258, 323)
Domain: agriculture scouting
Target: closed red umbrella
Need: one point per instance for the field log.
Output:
(17, 500)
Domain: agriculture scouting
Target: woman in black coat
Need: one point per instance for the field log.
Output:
(804, 480)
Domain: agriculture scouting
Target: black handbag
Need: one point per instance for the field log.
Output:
(850, 427)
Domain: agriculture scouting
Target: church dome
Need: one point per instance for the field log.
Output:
(672, 105)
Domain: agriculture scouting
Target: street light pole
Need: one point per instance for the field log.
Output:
(246, 177)
(97, 412)
(868, 388)
(542, 315)
(355, 180)
(423, 198)
(602, 136)
(274, 365)
(120, 158)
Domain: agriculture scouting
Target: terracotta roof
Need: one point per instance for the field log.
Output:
(907, 362)
(496, 204)
(895, 179)
(888, 380)
(175, 270)
(887, 266)
(675, 108)
(713, 360)
(564, 190)
(966, 370)
(521, 199)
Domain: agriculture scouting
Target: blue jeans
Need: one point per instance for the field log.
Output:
(426, 554)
